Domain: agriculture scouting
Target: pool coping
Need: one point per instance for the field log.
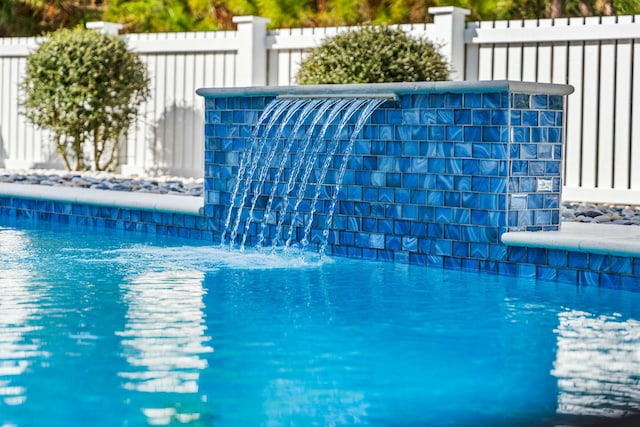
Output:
(402, 88)
(606, 239)
(121, 199)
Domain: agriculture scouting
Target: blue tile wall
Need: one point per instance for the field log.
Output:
(108, 217)
(417, 246)
(432, 177)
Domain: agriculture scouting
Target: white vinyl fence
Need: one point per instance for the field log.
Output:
(598, 56)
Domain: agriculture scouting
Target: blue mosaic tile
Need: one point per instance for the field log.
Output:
(521, 101)
(546, 273)
(436, 133)
(554, 135)
(479, 250)
(462, 116)
(619, 264)
(411, 116)
(539, 102)
(590, 278)
(612, 281)
(499, 117)
(472, 133)
(470, 167)
(527, 271)
(454, 133)
(481, 117)
(530, 118)
(578, 260)
(497, 252)
(460, 249)
(444, 116)
(473, 100)
(492, 100)
(492, 133)
(436, 100)
(428, 116)
(435, 261)
(482, 151)
(470, 264)
(480, 184)
(539, 135)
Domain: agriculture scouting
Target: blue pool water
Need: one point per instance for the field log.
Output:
(112, 330)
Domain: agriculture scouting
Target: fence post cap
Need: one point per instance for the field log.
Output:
(250, 19)
(105, 27)
(448, 10)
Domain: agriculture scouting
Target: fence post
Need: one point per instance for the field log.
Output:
(251, 67)
(449, 25)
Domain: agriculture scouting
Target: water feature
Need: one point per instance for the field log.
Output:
(307, 121)
(419, 173)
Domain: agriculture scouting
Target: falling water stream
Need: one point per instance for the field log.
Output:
(304, 134)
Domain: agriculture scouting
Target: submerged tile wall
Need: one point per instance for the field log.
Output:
(571, 266)
(434, 178)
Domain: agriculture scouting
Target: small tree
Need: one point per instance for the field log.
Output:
(85, 87)
(372, 54)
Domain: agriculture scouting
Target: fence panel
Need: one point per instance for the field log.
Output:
(167, 138)
(21, 144)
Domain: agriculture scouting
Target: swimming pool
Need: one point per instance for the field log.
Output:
(121, 329)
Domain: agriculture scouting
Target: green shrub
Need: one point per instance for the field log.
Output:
(373, 55)
(85, 87)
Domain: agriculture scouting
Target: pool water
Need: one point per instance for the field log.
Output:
(108, 329)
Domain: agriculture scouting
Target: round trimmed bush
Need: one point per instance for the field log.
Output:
(373, 54)
(85, 87)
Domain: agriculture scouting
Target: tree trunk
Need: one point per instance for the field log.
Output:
(605, 7)
(585, 8)
(62, 152)
(555, 9)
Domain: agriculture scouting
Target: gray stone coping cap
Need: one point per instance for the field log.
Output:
(109, 198)
(383, 89)
(607, 239)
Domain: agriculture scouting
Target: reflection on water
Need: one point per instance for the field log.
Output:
(597, 365)
(19, 302)
(164, 340)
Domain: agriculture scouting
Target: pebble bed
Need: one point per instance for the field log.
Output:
(107, 181)
(570, 211)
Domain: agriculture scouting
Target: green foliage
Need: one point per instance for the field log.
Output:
(142, 16)
(373, 55)
(30, 17)
(85, 87)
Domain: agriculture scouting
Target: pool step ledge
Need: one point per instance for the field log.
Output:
(608, 239)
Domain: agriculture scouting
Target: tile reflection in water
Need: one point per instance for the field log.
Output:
(19, 305)
(164, 341)
(597, 365)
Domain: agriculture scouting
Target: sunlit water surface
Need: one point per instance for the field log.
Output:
(112, 330)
